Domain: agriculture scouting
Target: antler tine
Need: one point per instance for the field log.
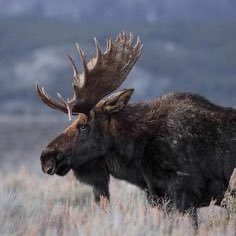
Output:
(83, 58)
(51, 102)
(67, 104)
(138, 48)
(108, 46)
(117, 37)
(138, 44)
(61, 98)
(128, 39)
(129, 43)
(120, 37)
(124, 36)
(98, 51)
(75, 70)
(137, 51)
(76, 77)
(91, 56)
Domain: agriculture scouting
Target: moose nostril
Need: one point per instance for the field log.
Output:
(50, 170)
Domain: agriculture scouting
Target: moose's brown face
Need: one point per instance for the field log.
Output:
(55, 158)
(85, 139)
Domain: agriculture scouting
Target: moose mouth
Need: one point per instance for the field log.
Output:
(60, 168)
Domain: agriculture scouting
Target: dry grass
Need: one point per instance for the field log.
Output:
(43, 205)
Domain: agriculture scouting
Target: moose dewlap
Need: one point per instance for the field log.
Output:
(179, 146)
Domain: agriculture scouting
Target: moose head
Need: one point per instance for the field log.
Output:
(94, 104)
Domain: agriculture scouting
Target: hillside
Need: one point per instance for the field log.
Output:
(178, 56)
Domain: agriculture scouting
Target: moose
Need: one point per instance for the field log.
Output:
(180, 146)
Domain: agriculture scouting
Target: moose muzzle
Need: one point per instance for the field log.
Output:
(54, 162)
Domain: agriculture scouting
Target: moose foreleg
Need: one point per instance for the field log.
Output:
(101, 192)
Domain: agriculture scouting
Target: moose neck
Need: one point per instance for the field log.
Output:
(135, 121)
(130, 128)
(129, 135)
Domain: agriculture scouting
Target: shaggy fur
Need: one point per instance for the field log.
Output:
(181, 147)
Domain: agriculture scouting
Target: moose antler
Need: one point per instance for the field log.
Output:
(102, 75)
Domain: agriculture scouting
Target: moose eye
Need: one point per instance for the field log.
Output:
(83, 127)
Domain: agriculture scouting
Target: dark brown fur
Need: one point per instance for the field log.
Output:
(181, 147)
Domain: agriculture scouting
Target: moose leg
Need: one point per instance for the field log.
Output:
(185, 203)
(101, 191)
(101, 184)
(153, 198)
(153, 193)
(95, 174)
(184, 197)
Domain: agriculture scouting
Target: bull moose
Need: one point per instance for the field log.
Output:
(180, 146)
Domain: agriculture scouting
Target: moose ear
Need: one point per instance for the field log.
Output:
(117, 101)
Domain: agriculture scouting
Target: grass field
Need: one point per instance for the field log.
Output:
(43, 205)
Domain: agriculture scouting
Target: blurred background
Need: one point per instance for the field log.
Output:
(189, 45)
